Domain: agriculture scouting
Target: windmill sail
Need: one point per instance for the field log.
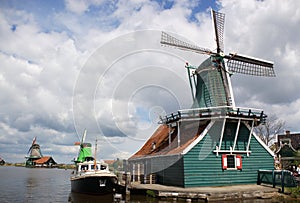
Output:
(171, 41)
(218, 22)
(33, 142)
(250, 66)
(213, 85)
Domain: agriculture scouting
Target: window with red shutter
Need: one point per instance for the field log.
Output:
(231, 162)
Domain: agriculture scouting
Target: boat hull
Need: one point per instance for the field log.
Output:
(94, 185)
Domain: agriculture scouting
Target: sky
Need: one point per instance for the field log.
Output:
(67, 66)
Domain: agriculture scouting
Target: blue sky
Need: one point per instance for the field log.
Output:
(93, 13)
(96, 64)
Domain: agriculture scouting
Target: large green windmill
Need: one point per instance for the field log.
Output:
(210, 82)
(214, 138)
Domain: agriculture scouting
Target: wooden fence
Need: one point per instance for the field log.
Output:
(282, 178)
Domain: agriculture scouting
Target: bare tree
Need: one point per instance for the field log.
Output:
(267, 132)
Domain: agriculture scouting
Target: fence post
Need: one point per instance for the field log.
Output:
(282, 181)
(258, 178)
(273, 179)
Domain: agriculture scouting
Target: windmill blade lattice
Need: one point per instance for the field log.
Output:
(218, 22)
(250, 66)
(215, 90)
(169, 40)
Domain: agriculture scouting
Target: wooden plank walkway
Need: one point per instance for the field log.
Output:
(222, 193)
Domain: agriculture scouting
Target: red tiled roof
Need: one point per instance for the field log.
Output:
(161, 139)
(42, 160)
(158, 137)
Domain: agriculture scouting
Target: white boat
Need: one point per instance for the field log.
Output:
(91, 176)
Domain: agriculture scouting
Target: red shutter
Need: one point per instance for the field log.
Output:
(238, 159)
(224, 161)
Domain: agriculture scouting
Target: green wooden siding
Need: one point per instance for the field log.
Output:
(203, 168)
(172, 175)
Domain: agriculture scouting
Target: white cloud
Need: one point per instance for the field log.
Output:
(81, 6)
(100, 65)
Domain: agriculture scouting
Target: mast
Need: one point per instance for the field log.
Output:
(95, 156)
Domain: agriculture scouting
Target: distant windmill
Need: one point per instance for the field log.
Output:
(212, 82)
(85, 151)
(34, 150)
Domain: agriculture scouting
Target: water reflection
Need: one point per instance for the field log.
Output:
(32, 182)
(84, 198)
(19, 184)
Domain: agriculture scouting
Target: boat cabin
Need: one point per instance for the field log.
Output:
(90, 166)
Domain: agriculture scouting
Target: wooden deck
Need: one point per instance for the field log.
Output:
(206, 194)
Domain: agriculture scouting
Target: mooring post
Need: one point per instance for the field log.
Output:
(127, 183)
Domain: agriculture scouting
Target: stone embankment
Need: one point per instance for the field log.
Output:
(207, 194)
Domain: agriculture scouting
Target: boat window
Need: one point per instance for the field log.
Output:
(103, 167)
(84, 167)
(93, 167)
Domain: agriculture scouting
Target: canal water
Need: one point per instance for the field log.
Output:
(19, 184)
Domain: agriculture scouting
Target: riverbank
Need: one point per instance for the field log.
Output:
(215, 194)
(59, 166)
(206, 194)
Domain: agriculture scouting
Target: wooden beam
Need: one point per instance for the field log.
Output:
(236, 133)
(169, 134)
(222, 133)
(178, 134)
(249, 139)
